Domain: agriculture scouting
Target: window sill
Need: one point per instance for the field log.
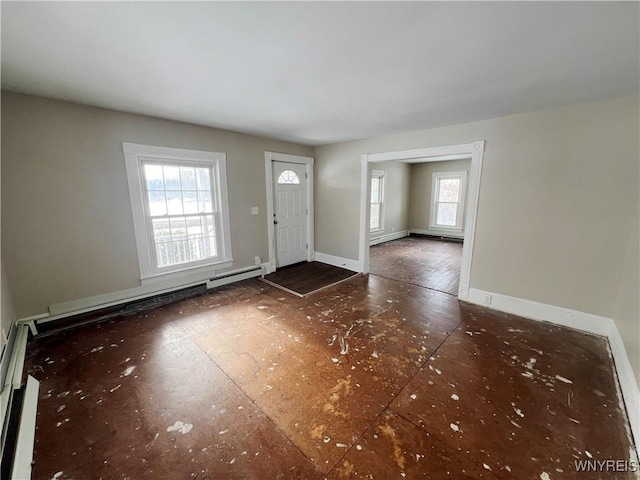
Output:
(194, 273)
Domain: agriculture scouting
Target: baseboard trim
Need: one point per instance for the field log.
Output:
(577, 320)
(627, 379)
(353, 265)
(388, 237)
(436, 233)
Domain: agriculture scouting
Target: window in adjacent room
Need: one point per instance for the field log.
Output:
(377, 200)
(447, 202)
(180, 208)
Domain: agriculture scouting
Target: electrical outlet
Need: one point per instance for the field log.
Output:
(487, 299)
(258, 260)
(254, 210)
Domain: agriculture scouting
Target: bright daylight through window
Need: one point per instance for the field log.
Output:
(448, 200)
(179, 203)
(288, 177)
(377, 199)
(181, 212)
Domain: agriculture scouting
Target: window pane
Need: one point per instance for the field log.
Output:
(204, 202)
(180, 251)
(181, 190)
(288, 177)
(161, 230)
(449, 190)
(190, 202)
(375, 190)
(203, 179)
(208, 226)
(210, 246)
(188, 178)
(178, 229)
(163, 257)
(375, 216)
(194, 227)
(171, 177)
(157, 204)
(174, 203)
(153, 176)
(447, 214)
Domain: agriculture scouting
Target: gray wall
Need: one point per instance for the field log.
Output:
(6, 308)
(396, 197)
(7, 311)
(421, 183)
(557, 198)
(627, 310)
(67, 229)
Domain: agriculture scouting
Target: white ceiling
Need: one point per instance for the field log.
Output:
(319, 73)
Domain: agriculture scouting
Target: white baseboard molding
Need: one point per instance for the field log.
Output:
(436, 233)
(388, 237)
(577, 320)
(628, 383)
(353, 265)
(90, 304)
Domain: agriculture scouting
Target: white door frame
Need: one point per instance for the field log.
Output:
(269, 158)
(474, 150)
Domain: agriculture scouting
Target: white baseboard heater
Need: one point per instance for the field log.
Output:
(18, 408)
(237, 276)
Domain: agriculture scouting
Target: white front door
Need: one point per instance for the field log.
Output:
(290, 212)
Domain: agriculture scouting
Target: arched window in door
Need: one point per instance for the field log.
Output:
(288, 177)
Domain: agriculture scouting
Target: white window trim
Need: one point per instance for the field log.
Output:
(134, 154)
(380, 174)
(435, 182)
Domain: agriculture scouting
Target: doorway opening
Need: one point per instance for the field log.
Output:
(447, 215)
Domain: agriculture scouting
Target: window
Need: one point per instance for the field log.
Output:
(447, 202)
(180, 209)
(290, 177)
(377, 200)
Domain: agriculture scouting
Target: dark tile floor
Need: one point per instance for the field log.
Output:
(372, 378)
(423, 261)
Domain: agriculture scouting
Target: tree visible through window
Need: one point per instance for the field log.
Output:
(448, 199)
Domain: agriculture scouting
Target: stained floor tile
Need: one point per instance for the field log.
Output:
(364, 378)
(529, 397)
(151, 406)
(321, 374)
(392, 447)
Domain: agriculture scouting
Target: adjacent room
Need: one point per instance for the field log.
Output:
(320, 240)
(425, 200)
